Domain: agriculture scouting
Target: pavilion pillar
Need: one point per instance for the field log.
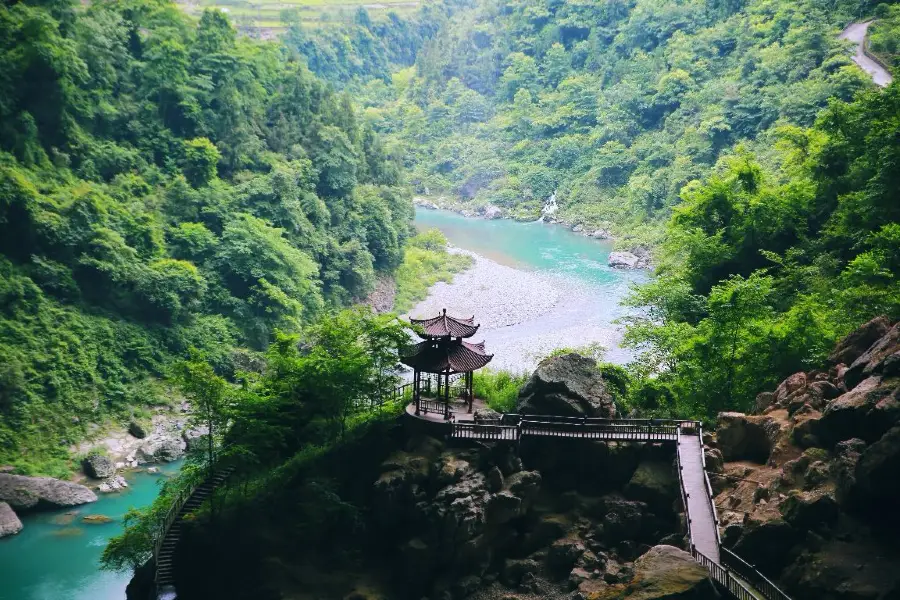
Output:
(470, 389)
(447, 395)
(417, 380)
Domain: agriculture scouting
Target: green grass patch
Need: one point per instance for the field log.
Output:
(426, 262)
(499, 389)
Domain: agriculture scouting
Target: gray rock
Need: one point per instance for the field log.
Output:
(792, 384)
(623, 260)
(514, 570)
(9, 522)
(855, 344)
(872, 361)
(601, 234)
(877, 481)
(867, 411)
(492, 212)
(156, 449)
(99, 466)
(653, 482)
(664, 572)
(744, 437)
(569, 385)
(503, 507)
(24, 493)
(494, 479)
(563, 555)
(138, 429)
(195, 438)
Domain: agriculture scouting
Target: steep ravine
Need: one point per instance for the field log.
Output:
(805, 491)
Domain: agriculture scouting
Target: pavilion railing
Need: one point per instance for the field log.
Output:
(427, 405)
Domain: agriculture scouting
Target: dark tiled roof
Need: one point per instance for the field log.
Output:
(446, 326)
(436, 356)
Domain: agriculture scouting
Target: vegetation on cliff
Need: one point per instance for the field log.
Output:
(613, 106)
(165, 184)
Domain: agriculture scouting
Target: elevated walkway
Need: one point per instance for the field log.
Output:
(740, 579)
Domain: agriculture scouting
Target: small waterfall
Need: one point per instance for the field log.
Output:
(550, 207)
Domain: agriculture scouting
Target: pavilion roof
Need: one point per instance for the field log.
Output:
(444, 325)
(436, 357)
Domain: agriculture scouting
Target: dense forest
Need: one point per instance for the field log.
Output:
(166, 185)
(190, 214)
(614, 106)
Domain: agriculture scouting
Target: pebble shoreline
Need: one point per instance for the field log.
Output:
(523, 315)
(497, 295)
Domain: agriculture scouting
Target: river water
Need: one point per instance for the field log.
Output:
(589, 291)
(56, 556)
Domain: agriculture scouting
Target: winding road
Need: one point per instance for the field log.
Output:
(856, 33)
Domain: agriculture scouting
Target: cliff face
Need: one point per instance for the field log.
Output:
(809, 484)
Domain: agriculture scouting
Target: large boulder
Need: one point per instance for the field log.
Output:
(843, 468)
(748, 437)
(156, 449)
(623, 260)
(664, 572)
(856, 343)
(867, 411)
(877, 481)
(23, 493)
(883, 353)
(767, 543)
(653, 482)
(810, 510)
(571, 385)
(99, 466)
(9, 522)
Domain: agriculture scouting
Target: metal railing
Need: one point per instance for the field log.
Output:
(485, 432)
(753, 577)
(724, 577)
(710, 497)
(163, 525)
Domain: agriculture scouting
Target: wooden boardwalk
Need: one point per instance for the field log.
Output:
(700, 509)
(741, 580)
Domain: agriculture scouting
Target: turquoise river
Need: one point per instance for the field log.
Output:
(575, 266)
(56, 556)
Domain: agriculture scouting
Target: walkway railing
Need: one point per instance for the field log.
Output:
(741, 579)
(746, 571)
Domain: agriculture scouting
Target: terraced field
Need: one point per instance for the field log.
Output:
(267, 18)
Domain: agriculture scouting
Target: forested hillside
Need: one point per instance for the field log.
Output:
(165, 184)
(613, 105)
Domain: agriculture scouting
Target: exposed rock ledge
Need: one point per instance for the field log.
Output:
(24, 493)
(9, 522)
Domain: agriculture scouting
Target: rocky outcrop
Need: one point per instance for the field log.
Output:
(882, 358)
(876, 481)
(817, 513)
(138, 429)
(568, 385)
(624, 260)
(9, 522)
(664, 572)
(748, 437)
(24, 493)
(99, 466)
(160, 448)
(854, 345)
(867, 411)
(653, 482)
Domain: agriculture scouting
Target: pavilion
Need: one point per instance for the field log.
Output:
(445, 353)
